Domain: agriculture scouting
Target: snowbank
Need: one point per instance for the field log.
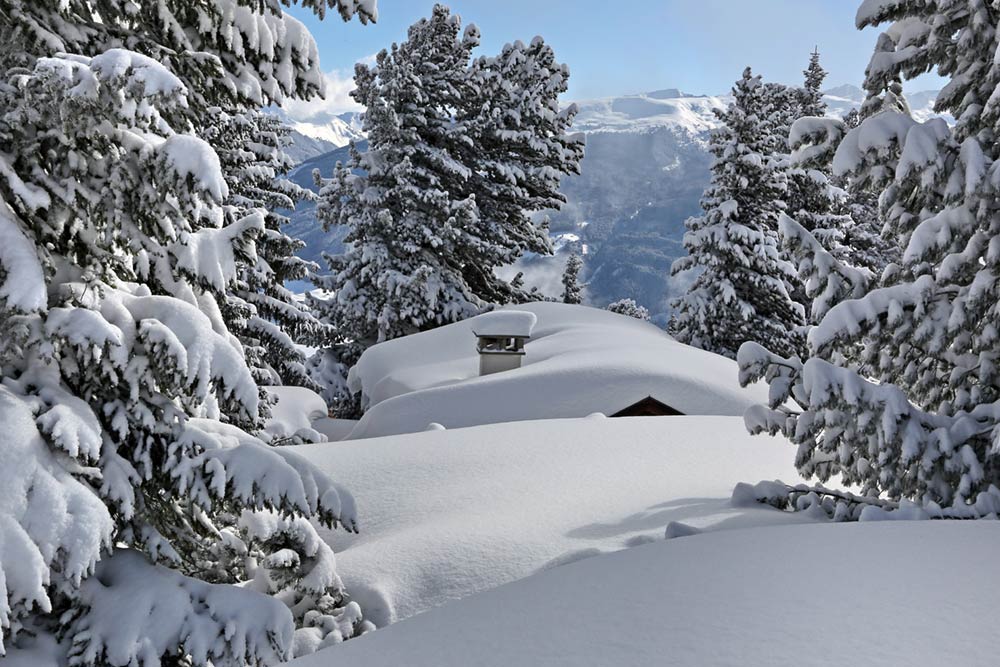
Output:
(445, 514)
(579, 361)
(295, 412)
(878, 594)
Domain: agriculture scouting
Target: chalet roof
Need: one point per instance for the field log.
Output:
(512, 323)
(648, 407)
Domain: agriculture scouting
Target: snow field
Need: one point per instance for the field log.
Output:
(877, 594)
(448, 513)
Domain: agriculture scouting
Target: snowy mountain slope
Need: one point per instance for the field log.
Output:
(302, 221)
(662, 108)
(339, 129)
(445, 514)
(303, 147)
(579, 361)
(322, 134)
(847, 594)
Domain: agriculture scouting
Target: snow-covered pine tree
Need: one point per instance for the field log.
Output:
(459, 157)
(572, 289)
(128, 472)
(259, 310)
(518, 149)
(742, 291)
(811, 199)
(865, 244)
(844, 215)
(630, 308)
(900, 392)
(397, 199)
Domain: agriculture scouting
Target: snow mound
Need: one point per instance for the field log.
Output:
(579, 361)
(769, 596)
(297, 410)
(445, 514)
(506, 323)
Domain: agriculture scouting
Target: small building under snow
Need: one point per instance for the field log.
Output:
(648, 407)
(501, 336)
(558, 361)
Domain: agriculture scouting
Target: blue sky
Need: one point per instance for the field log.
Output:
(613, 48)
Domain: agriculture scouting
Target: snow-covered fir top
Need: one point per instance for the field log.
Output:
(571, 369)
(506, 323)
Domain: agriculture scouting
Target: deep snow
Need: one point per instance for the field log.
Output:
(579, 361)
(448, 513)
(297, 411)
(876, 594)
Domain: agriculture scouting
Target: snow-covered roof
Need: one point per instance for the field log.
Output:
(581, 360)
(505, 323)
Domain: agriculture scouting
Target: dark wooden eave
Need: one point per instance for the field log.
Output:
(648, 407)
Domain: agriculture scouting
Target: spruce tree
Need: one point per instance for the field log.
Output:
(864, 244)
(572, 290)
(460, 154)
(811, 94)
(129, 472)
(811, 198)
(899, 393)
(742, 292)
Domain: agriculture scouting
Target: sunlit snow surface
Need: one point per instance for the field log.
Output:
(447, 513)
(904, 593)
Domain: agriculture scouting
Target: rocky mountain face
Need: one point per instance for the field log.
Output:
(645, 168)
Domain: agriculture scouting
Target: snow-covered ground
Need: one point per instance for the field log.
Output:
(448, 513)
(579, 361)
(877, 594)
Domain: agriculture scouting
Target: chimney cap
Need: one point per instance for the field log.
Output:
(505, 324)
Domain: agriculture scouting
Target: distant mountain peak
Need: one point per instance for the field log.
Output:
(666, 94)
(847, 92)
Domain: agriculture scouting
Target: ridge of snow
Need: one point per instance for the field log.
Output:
(635, 112)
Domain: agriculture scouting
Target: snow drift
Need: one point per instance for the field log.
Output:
(863, 593)
(445, 514)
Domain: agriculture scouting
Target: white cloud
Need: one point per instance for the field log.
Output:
(339, 84)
